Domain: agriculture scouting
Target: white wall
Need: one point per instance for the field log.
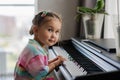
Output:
(67, 9)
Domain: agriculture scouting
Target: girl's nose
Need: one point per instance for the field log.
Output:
(54, 35)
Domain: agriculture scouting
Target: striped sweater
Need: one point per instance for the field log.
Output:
(32, 63)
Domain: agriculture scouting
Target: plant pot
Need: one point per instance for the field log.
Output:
(93, 25)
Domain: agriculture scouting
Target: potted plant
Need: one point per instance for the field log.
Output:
(92, 19)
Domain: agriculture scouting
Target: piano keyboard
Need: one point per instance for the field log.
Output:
(72, 66)
(69, 66)
(80, 61)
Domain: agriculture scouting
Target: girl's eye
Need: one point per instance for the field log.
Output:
(57, 32)
(50, 30)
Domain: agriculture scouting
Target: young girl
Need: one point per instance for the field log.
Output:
(33, 62)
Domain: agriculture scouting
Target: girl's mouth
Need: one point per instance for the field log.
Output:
(51, 41)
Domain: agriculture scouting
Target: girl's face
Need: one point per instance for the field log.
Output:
(48, 33)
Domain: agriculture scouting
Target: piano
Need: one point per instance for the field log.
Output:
(87, 59)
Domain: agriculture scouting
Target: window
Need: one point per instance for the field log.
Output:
(15, 22)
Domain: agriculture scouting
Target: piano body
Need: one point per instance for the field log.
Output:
(86, 60)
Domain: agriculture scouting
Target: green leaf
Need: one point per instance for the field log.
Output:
(99, 5)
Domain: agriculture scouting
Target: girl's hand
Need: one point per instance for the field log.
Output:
(62, 59)
(56, 62)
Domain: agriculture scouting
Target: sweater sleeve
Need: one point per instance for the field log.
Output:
(37, 67)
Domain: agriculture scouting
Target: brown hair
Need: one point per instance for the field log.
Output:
(42, 17)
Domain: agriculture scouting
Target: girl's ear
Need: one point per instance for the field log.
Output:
(35, 29)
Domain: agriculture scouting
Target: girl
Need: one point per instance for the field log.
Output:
(33, 62)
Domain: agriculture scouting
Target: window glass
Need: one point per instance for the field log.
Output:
(15, 22)
(16, 1)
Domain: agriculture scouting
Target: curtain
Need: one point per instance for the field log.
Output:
(111, 8)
